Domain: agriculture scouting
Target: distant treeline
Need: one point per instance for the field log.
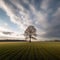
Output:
(57, 40)
(26, 41)
(12, 40)
(53, 41)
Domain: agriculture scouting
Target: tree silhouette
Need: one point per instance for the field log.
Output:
(30, 32)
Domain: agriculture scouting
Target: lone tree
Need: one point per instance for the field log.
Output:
(30, 32)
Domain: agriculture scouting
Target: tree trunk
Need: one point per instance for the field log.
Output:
(30, 39)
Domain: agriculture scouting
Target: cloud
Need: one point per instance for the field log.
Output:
(7, 33)
(16, 13)
(53, 31)
(39, 13)
(5, 27)
(45, 4)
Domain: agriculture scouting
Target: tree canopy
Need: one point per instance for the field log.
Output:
(30, 32)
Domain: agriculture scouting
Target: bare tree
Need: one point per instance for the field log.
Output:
(30, 32)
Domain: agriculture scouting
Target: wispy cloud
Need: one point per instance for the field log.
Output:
(39, 13)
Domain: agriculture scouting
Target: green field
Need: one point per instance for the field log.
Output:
(29, 51)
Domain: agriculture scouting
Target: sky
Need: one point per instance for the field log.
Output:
(17, 15)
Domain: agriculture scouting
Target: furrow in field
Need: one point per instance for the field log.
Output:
(13, 54)
(9, 53)
(51, 54)
(20, 54)
(26, 53)
(37, 53)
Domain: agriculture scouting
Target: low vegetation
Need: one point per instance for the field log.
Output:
(30, 51)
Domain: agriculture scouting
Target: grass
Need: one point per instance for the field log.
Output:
(29, 51)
